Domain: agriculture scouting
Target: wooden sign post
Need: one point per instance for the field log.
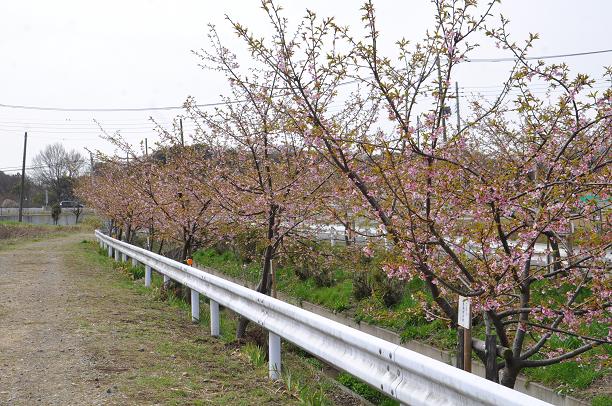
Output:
(464, 320)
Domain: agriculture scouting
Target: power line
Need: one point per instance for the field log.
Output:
(11, 106)
(84, 124)
(224, 103)
(70, 109)
(529, 58)
(516, 92)
(18, 169)
(531, 85)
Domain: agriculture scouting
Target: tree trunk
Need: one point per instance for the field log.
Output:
(183, 291)
(266, 281)
(150, 239)
(508, 376)
(264, 287)
(186, 250)
(347, 230)
(347, 239)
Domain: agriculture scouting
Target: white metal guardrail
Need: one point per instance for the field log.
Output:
(407, 376)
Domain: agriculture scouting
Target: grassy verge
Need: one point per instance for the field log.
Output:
(302, 382)
(365, 390)
(13, 233)
(407, 318)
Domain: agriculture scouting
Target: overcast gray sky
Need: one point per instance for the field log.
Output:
(137, 53)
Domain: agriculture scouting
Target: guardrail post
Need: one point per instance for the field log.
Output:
(166, 280)
(274, 355)
(110, 251)
(134, 262)
(148, 276)
(195, 305)
(124, 257)
(117, 254)
(214, 318)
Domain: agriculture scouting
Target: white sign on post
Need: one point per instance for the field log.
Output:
(464, 318)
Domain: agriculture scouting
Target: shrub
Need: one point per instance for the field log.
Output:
(92, 222)
(362, 287)
(247, 245)
(312, 260)
(369, 279)
(56, 211)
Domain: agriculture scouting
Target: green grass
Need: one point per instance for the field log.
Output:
(365, 390)
(568, 376)
(186, 365)
(13, 233)
(601, 400)
(307, 385)
(408, 319)
(256, 354)
(335, 297)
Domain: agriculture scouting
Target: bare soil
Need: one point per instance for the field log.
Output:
(74, 332)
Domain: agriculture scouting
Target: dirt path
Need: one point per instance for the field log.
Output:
(41, 357)
(73, 332)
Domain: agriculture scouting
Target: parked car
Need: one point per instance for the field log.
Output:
(64, 204)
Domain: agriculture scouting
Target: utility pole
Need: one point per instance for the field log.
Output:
(151, 230)
(457, 107)
(442, 109)
(22, 192)
(418, 131)
(181, 124)
(91, 163)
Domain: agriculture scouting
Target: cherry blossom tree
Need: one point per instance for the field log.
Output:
(178, 192)
(467, 207)
(267, 179)
(110, 193)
